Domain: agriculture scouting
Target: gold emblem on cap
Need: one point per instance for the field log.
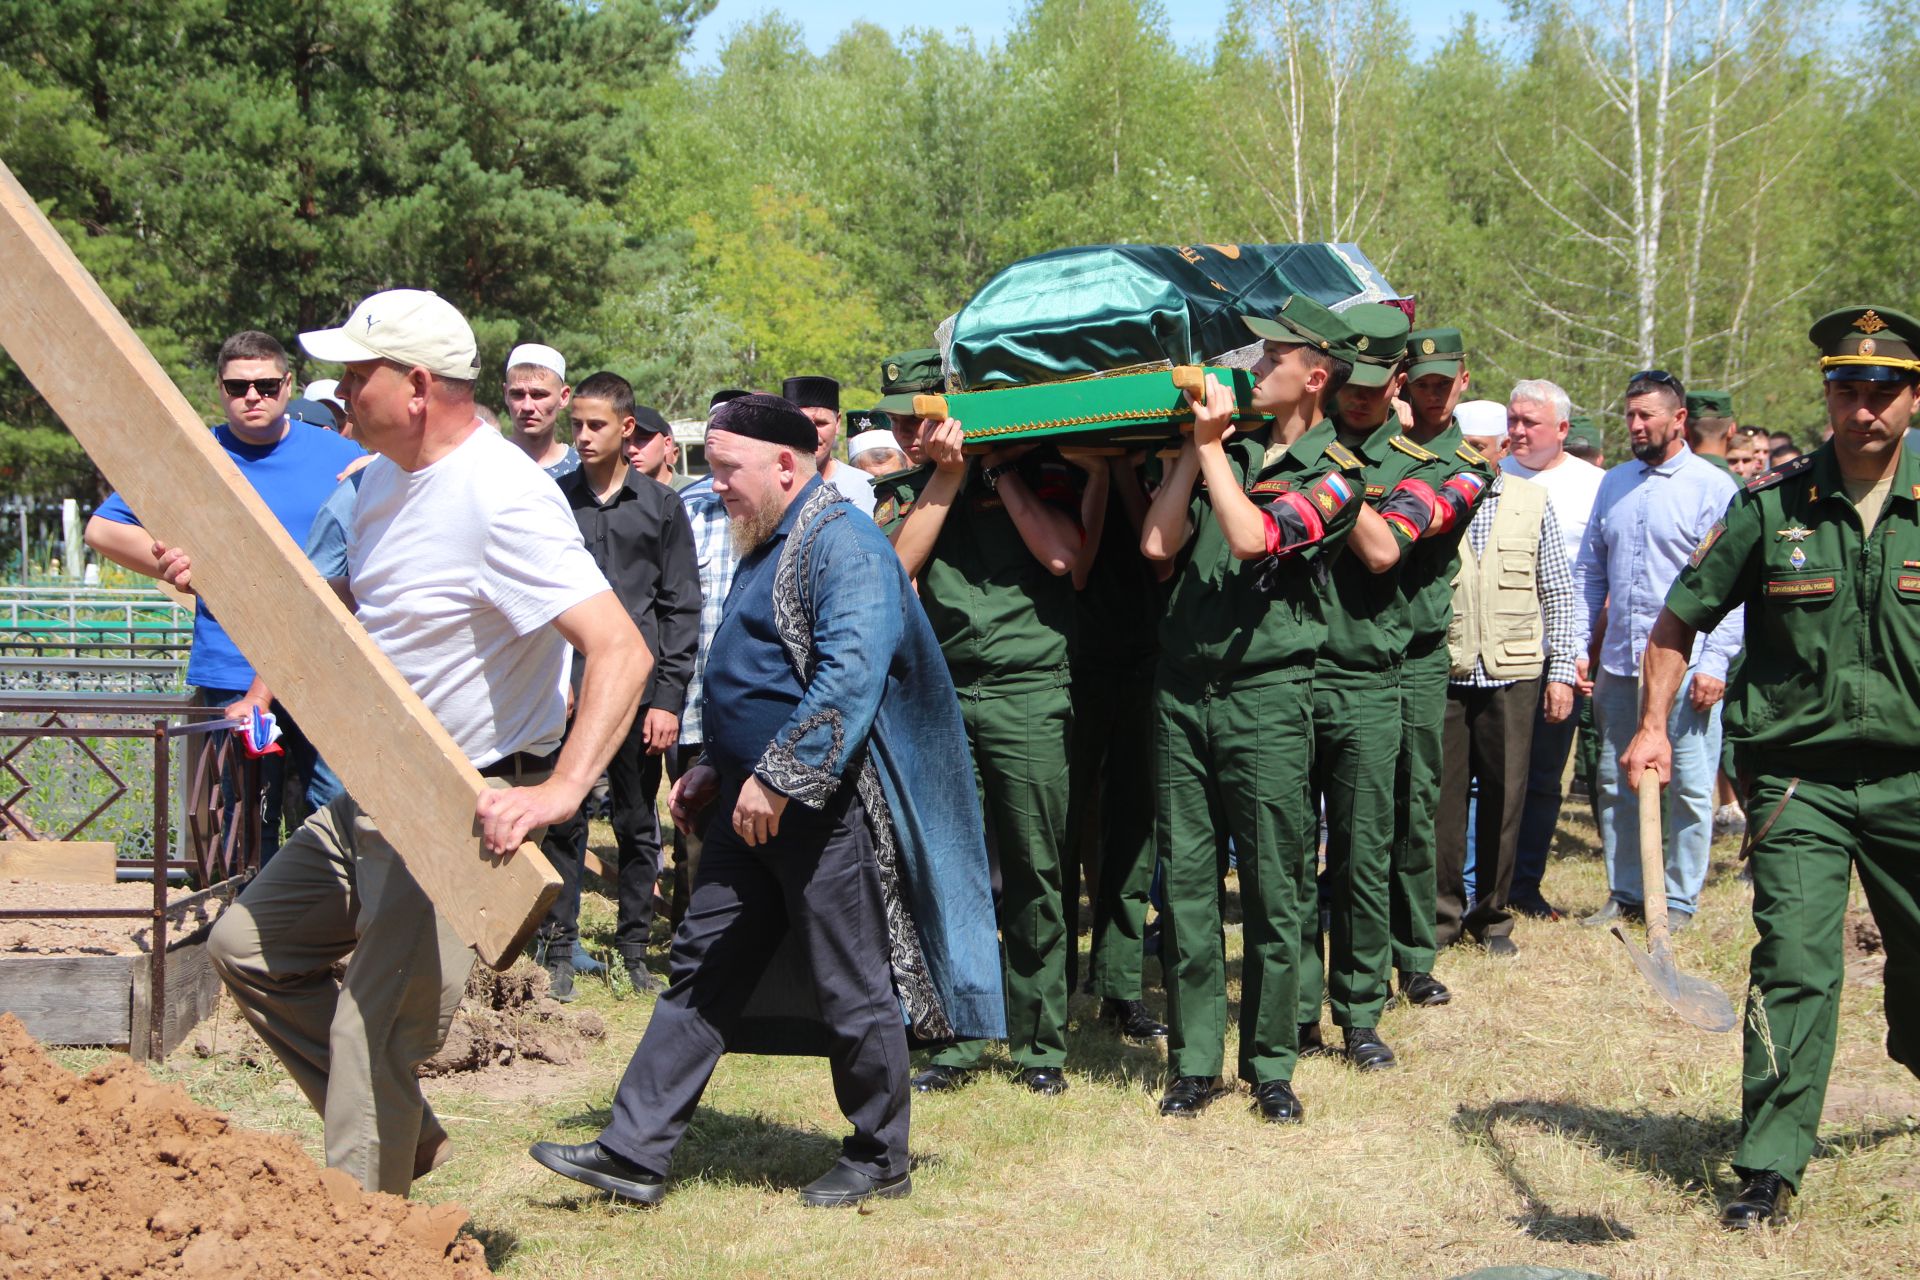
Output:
(893, 373)
(1868, 346)
(1426, 346)
(1870, 322)
(1362, 344)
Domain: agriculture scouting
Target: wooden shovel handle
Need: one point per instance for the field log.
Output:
(1653, 860)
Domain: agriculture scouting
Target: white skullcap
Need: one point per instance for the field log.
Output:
(535, 353)
(869, 440)
(1481, 418)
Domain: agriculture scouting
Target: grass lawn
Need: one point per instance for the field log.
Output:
(1554, 1115)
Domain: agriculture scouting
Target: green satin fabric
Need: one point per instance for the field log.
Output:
(1101, 308)
(1133, 407)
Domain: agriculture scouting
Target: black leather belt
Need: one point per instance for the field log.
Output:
(520, 762)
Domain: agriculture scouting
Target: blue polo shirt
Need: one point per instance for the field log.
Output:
(294, 475)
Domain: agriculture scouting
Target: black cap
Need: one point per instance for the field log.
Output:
(813, 392)
(725, 394)
(764, 417)
(647, 418)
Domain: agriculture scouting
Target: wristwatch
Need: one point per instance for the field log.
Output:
(990, 476)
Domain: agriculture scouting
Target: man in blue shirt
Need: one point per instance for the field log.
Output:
(1647, 519)
(294, 467)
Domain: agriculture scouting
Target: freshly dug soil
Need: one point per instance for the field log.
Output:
(116, 1176)
(188, 913)
(509, 1016)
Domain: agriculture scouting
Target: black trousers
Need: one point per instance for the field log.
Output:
(633, 780)
(816, 880)
(1489, 736)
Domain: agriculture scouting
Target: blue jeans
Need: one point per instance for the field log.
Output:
(1540, 817)
(1689, 809)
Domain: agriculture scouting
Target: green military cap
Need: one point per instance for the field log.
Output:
(1379, 341)
(1582, 431)
(1304, 322)
(907, 374)
(1709, 404)
(1435, 351)
(1867, 344)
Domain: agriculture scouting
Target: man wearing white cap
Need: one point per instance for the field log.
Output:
(467, 570)
(536, 391)
(1513, 607)
(876, 452)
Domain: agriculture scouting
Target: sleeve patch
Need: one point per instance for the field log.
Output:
(1273, 486)
(1413, 450)
(1333, 492)
(1706, 543)
(1376, 490)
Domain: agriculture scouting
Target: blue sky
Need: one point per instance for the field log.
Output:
(1194, 21)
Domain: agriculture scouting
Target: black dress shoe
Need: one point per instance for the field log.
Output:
(1132, 1020)
(1275, 1101)
(841, 1185)
(1424, 990)
(642, 977)
(939, 1079)
(1762, 1202)
(600, 1168)
(1312, 1044)
(1367, 1051)
(1502, 946)
(1536, 909)
(1049, 1082)
(1190, 1095)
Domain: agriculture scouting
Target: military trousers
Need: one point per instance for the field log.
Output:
(1021, 744)
(338, 890)
(1112, 809)
(1230, 764)
(1356, 730)
(1800, 877)
(1413, 888)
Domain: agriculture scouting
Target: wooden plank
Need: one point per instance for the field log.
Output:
(70, 999)
(399, 764)
(193, 989)
(58, 861)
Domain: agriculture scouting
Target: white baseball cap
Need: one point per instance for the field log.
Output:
(324, 389)
(1481, 418)
(407, 326)
(544, 357)
(868, 440)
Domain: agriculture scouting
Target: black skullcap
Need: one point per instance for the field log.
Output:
(646, 418)
(725, 394)
(812, 392)
(764, 417)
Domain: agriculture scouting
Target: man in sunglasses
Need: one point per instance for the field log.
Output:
(1648, 517)
(294, 467)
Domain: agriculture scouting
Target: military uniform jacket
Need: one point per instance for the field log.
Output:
(1003, 621)
(1426, 579)
(1831, 680)
(1217, 625)
(1369, 621)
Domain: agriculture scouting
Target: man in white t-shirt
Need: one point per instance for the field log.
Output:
(466, 568)
(1538, 412)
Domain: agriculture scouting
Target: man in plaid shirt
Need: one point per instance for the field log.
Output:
(1496, 684)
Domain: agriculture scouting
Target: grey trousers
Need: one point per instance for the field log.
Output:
(337, 889)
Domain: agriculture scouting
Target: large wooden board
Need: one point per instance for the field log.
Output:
(58, 861)
(399, 764)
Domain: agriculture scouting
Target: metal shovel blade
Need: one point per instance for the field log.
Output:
(1694, 999)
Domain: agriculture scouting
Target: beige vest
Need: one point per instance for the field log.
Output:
(1496, 595)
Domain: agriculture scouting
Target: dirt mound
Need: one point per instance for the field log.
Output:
(509, 1016)
(116, 1175)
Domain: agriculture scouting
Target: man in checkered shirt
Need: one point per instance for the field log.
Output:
(1496, 683)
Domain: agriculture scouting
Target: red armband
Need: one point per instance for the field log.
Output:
(1301, 520)
(1409, 507)
(1455, 500)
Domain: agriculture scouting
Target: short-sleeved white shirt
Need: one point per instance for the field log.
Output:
(457, 570)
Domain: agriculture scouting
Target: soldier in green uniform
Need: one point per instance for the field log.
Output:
(1710, 426)
(989, 545)
(1824, 552)
(1356, 748)
(1233, 698)
(1436, 378)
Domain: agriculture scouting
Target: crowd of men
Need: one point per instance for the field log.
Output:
(1342, 650)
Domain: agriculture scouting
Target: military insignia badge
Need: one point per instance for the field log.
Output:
(1706, 543)
(1794, 533)
(1798, 559)
(886, 511)
(893, 373)
(1870, 322)
(1426, 346)
(1868, 346)
(1360, 344)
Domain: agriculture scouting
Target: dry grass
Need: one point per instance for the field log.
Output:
(1552, 1115)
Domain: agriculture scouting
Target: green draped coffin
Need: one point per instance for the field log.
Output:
(1097, 341)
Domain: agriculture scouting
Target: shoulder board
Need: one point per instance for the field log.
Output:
(1343, 457)
(1471, 456)
(1413, 450)
(1785, 471)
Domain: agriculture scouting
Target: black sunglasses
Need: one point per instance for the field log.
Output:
(1659, 377)
(265, 388)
